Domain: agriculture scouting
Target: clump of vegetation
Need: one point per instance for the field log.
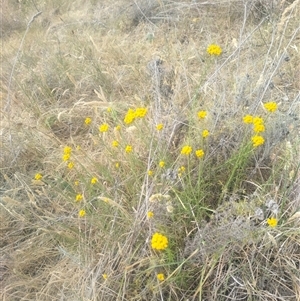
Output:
(150, 151)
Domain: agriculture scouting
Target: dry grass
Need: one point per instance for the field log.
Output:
(73, 61)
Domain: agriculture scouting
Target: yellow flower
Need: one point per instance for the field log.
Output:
(270, 106)
(128, 149)
(202, 114)
(38, 176)
(159, 241)
(257, 140)
(76, 183)
(94, 180)
(160, 277)
(117, 165)
(103, 127)
(161, 164)
(79, 197)
(118, 128)
(257, 120)
(258, 127)
(66, 157)
(248, 119)
(199, 153)
(109, 109)
(214, 49)
(186, 150)
(150, 214)
(82, 213)
(105, 276)
(181, 169)
(67, 150)
(140, 112)
(115, 143)
(205, 133)
(70, 165)
(87, 120)
(160, 126)
(129, 117)
(272, 222)
(78, 147)
(150, 173)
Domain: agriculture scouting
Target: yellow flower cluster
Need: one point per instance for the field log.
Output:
(214, 49)
(115, 143)
(150, 214)
(87, 120)
(199, 153)
(160, 277)
(257, 140)
(82, 213)
(161, 164)
(202, 114)
(79, 197)
(159, 127)
(71, 165)
(186, 150)
(128, 149)
(103, 127)
(67, 153)
(181, 170)
(159, 241)
(258, 127)
(205, 133)
(272, 222)
(38, 176)
(94, 180)
(131, 114)
(248, 119)
(270, 106)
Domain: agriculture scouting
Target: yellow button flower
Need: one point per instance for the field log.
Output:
(67, 150)
(258, 128)
(82, 213)
(160, 126)
(205, 133)
(87, 120)
(257, 140)
(159, 241)
(186, 150)
(38, 176)
(214, 49)
(272, 222)
(160, 277)
(248, 119)
(79, 197)
(103, 127)
(115, 143)
(202, 114)
(161, 164)
(94, 180)
(128, 149)
(70, 165)
(199, 153)
(270, 106)
(150, 214)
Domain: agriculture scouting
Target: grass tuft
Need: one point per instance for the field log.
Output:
(150, 151)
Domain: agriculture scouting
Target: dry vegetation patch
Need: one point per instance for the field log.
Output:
(150, 150)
